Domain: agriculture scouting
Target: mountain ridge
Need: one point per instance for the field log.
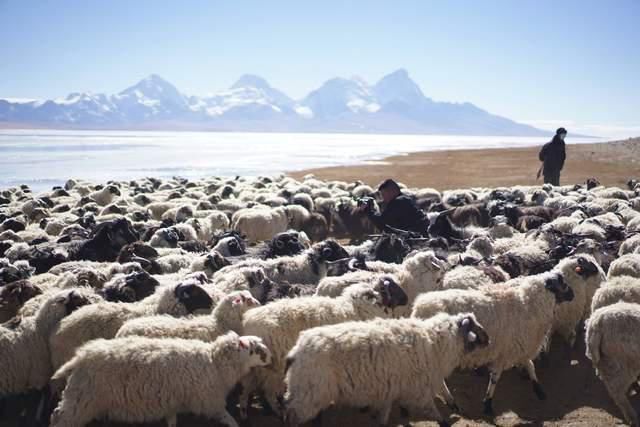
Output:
(394, 104)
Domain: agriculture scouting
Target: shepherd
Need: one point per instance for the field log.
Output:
(400, 211)
(552, 156)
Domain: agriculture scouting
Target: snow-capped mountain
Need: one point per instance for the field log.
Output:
(395, 104)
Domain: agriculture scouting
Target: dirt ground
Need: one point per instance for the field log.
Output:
(611, 163)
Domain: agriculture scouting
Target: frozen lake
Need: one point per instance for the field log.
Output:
(43, 158)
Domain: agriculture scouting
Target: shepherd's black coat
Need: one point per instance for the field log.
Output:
(401, 213)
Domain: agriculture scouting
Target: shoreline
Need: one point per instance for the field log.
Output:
(612, 163)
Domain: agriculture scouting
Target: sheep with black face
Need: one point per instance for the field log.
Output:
(348, 364)
(505, 311)
(279, 324)
(104, 320)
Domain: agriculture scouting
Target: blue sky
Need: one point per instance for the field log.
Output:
(544, 62)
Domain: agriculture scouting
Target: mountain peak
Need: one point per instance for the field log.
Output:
(398, 87)
(400, 73)
(251, 80)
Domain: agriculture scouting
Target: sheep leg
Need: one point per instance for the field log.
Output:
(621, 400)
(429, 410)
(537, 388)
(494, 377)
(172, 421)
(617, 388)
(383, 414)
(448, 398)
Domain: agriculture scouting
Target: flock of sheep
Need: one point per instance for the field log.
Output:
(136, 301)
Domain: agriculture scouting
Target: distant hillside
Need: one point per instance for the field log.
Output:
(395, 104)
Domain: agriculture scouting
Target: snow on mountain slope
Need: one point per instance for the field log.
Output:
(395, 104)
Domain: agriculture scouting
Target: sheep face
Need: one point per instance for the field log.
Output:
(113, 190)
(120, 232)
(329, 250)
(285, 244)
(14, 295)
(254, 349)
(132, 287)
(346, 265)
(391, 294)
(391, 248)
(473, 333)
(90, 278)
(72, 301)
(136, 250)
(586, 268)
(11, 273)
(215, 261)
(170, 236)
(510, 264)
(557, 286)
(193, 296)
(244, 300)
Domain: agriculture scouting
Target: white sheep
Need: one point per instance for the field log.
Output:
(227, 316)
(104, 319)
(584, 276)
(24, 348)
(517, 319)
(613, 345)
(142, 379)
(280, 322)
(260, 224)
(472, 277)
(626, 265)
(629, 246)
(617, 289)
(375, 364)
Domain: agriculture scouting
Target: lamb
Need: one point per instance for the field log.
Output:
(142, 379)
(626, 265)
(617, 289)
(260, 224)
(24, 351)
(227, 316)
(374, 364)
(105, 319)
(517, 319)
(280, 322)
(613, 346)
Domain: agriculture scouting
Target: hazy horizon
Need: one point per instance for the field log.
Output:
(546, 64)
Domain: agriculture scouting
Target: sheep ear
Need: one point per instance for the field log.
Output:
(435, 265)
(237, 301)
(243, 344)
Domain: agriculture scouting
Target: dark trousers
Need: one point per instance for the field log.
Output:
(552, 178)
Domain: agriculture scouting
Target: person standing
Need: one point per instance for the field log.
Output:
(552, 156)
